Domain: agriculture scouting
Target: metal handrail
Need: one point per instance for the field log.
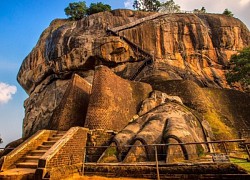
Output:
(168, 144)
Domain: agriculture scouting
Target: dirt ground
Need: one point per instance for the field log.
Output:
(77, 177)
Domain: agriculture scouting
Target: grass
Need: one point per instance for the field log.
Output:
(242, 163)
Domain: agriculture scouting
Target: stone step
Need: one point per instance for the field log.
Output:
(31, 165)
(37, 152)
(56, 138)
(60, 133)
(49, 143)
(32, 157)
(44, 147)
(30, 160)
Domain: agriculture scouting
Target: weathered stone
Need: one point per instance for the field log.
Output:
(157, 98)
(40, 105)
(185, 46)
(114, 101)
(226, 110)
(167, 122)
(76, 46)
(137, 153)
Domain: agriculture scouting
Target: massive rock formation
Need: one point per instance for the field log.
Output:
(185, 46)
(194, 47)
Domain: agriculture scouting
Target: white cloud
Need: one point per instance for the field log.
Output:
(240, 8)
(129, 4)
(244, 2)
(6, 92)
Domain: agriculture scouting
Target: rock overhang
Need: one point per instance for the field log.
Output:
(176, 41)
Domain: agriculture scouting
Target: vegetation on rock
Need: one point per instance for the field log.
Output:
(170, 7)
(228, 13)
(147, 5)
(240, 68)
(98, 7)
(78, 10)
(202, 10)
(155, 6)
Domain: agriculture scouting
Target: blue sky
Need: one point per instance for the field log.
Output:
(21, 24)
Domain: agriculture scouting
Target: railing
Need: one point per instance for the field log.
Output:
(244, 133)
(228, 150)
(140, 69)
(28, 145)
(147, 57)
(236, 148)
(135, 47)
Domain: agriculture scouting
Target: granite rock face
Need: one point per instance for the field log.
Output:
(39, 106)
(185, 46)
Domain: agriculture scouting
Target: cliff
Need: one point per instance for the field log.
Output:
(185, 46)
(193, 47)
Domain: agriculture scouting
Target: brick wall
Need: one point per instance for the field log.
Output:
(65, 172)
(73, 107)
(30, 144)
(69, 150)
(113, 101)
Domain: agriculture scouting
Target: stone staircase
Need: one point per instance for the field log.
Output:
(147, 62)
(138, 22)
(48, 154)
(147, 58)
(26, 166)
(31, 159)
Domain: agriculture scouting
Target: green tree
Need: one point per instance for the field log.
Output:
(155, 5)
(147, 5)
(98, 7)
(202, 10)
(228, 13)
(196, 11)
(76, 10)
(170, 7)
(240, 68)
